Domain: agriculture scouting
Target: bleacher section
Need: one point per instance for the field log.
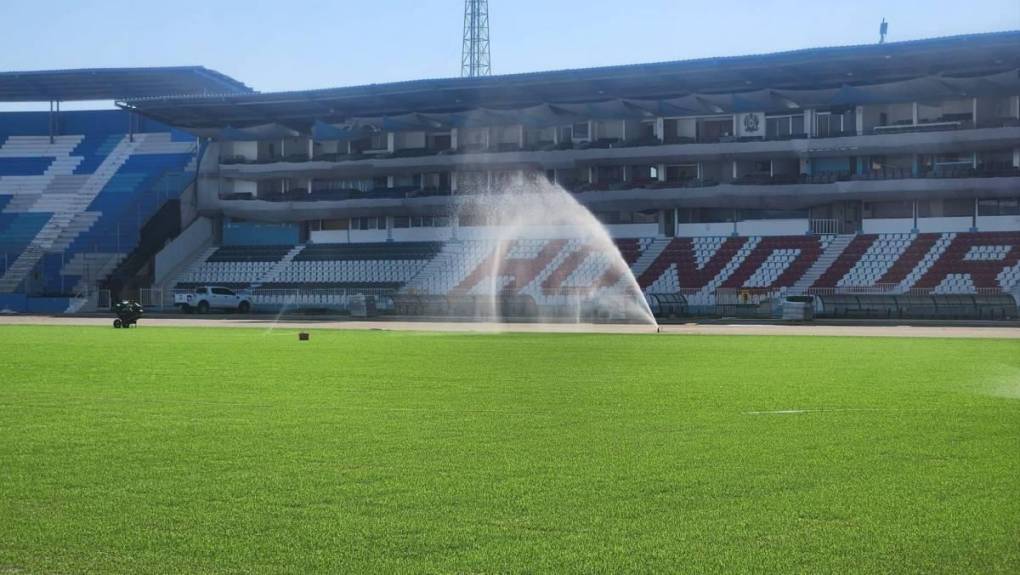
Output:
(381, 266)
(697, 268)
(71, 209)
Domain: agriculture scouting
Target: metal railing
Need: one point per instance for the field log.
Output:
(825, 226)
(151, 297)
(103, 300)
(876, 289)
(292, 298)
(895, 289)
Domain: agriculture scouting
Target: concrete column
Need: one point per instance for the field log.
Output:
(915, 113)
(522, 139)
(453, 138)
(701, 173)
(309, 188)
(734, 176)
(973, 221)
(859, 115)
(390, 181)
(974, 113)
(389, 228)
(914, 204)
(591, 171)
(283, 147)
(660, 128)
(391, 142)
(662, 172)
(809, 122)
(1016, 157)
(1016, 107)
(311, 149)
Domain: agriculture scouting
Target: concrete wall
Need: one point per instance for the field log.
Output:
(239, 187)
(944, 224)
(931, 113)
(21, 303)
(633, 230)
(698, 230)
(796, 227)
(368, 236)
(409, 140)
(329, 236)
(608, 129)
(250, 150)
(687, 128)
(887, 226)
(179, 251)
(240, 233)
(422, 234)
(998, 223)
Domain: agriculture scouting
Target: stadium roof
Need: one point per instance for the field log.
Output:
(115, 84)
(814, 68)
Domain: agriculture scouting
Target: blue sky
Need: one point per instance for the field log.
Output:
(296, 44)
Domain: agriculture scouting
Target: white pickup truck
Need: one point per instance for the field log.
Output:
(205, 298)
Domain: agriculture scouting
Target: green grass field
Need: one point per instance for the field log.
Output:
(178, 450)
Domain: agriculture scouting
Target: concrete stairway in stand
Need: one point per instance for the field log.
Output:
(832, 252)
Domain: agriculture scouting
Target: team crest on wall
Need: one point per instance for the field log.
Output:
(751, 124)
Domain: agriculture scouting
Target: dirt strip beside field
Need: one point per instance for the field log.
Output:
(991, 331)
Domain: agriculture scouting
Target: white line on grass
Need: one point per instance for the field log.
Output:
(837, 409)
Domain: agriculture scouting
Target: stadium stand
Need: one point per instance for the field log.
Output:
(903, 184)
(72, 209)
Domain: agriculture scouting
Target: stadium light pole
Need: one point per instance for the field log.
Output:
(474, 56)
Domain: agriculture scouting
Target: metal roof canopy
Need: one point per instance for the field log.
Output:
(115, 84)
(835, 67)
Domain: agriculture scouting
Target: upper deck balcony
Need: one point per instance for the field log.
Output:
(566, 154)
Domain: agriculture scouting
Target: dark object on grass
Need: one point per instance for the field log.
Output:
(302, 336)
(128, 313)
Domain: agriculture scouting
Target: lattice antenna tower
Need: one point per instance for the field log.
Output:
(474, 56)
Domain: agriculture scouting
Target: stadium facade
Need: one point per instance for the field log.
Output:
(889, 169)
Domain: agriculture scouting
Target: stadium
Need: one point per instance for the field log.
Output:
(882, 179)
(550, 321)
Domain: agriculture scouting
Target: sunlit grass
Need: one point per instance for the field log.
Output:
(234, 450)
